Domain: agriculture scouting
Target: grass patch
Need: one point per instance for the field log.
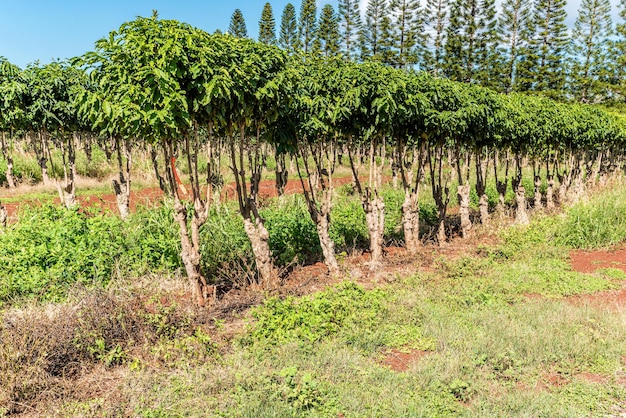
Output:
(598, 223)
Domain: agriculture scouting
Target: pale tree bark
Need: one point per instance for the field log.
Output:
(501, 184)
(324, 158)
(189, 229)
(122, 185)
(521, 210)
(537, 181)
(482, 166)
(577, 189)
(565, 179)
(8, 156)
(410, 206)
(550, 181)
(248, 203)
(593, 169)
(440, 189)
(462, 163)
(372, 203)
(4, 215)
(67, 187)
(215, 179)
(42, 151)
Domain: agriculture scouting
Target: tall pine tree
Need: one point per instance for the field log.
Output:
(617, 80)
(327, 34)
(349, 26)
(435, 22)
(407, 25)
(590, 40)
(543, 67)
(267, 26)
(237, 25)
(307, 24)
(514, 28)
(375, 37)
(288, 38)
(488, 66)
(471, 42)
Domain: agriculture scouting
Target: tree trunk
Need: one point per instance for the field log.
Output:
(4, 215)
(501, 187)
(440, 189)
(43, 161)
(282, 175)
(411, 221)
(483, 206)
(593, 177)
(259, 238)
(538, 196)
(190, 255)
(375, 219)
(323, 232)
(122, 197)
(9, 173)
(372, 203)
(122, 187)
(9, 159)
(463, 193)
(67, 192)
(521, 214)
(550, 193)
(482, 165)
(394, 173)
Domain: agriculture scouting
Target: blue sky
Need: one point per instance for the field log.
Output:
(46, 29)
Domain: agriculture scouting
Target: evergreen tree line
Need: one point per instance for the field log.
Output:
(521, 46)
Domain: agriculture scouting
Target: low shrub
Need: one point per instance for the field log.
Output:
(52, 248)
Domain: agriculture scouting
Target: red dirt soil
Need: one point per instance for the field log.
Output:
(151, 197)
(399, 361)
(589, 262)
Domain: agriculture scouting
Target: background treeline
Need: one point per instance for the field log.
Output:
(211, 106)
(522, 46)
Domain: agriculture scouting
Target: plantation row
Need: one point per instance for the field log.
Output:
(181, 93)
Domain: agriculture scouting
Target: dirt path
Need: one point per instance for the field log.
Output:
(150, 197)
(591, 261)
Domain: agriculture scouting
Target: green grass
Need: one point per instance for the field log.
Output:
(598, 223)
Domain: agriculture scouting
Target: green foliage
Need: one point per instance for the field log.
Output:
(301, 391)
(288, 38)
(327, 34)
(52, 248)
(293, 236)
(307, 25)
(348, 228)
(237, 25)
(312, 318)
(599, 223)
(155, 242)
(267, 26)
(366, 320)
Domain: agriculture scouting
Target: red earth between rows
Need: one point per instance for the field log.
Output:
(152, 196)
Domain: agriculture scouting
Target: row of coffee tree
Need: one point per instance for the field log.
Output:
(180, 93)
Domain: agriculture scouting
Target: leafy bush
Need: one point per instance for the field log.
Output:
(315, 317)
(293, 235)
(348, 228)
(154, 239)
(51, 248)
